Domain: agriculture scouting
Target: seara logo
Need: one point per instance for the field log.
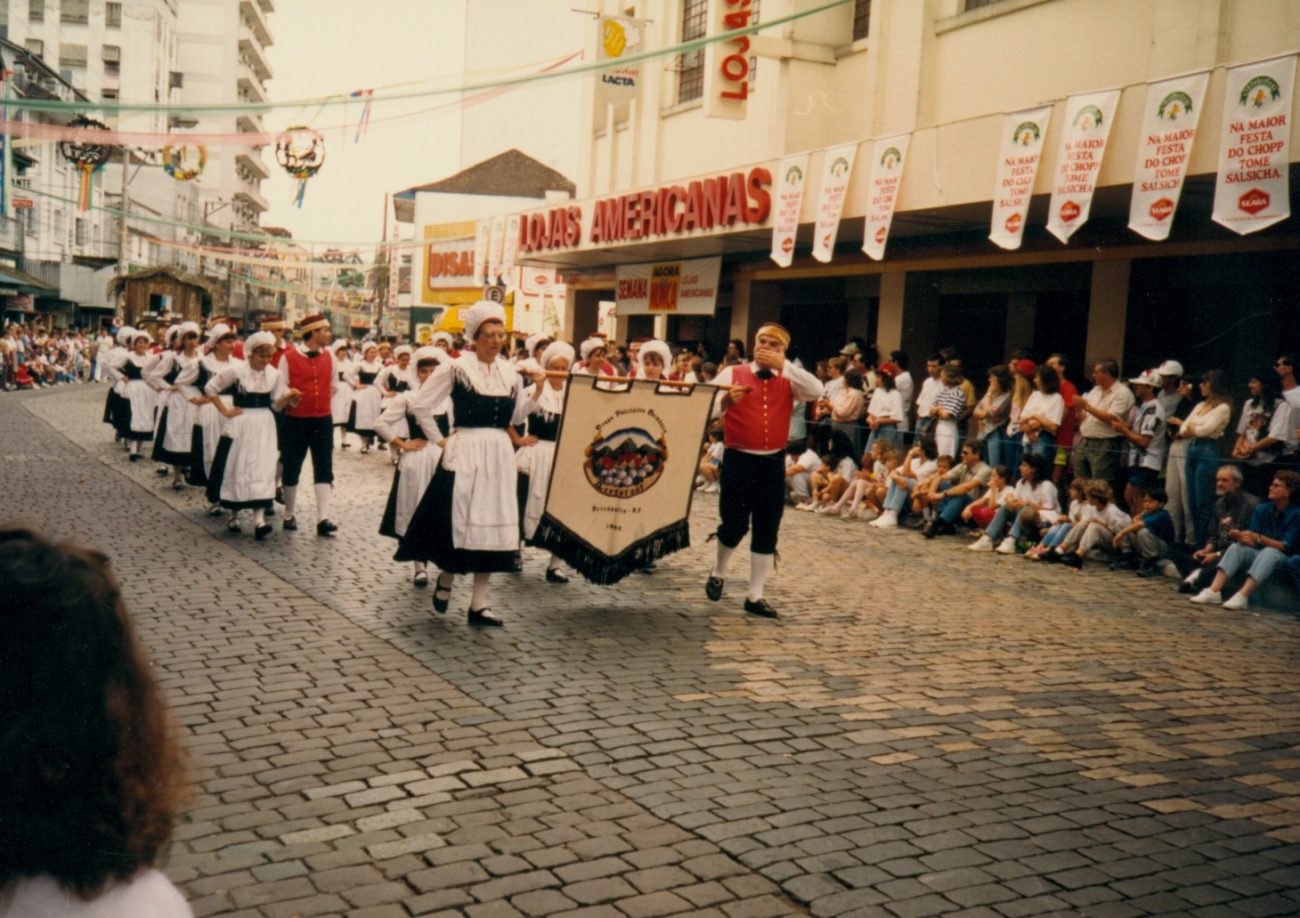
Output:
(1253, 201)
(1069, 211)
(881, 234)
(1161, 209)
(625, 463)
(787, 245)
(793, 175)
(1259, 92)
(891, 158)
(1013, 223)
(840, 167)
(1174, 106)
(1026, 134)
(1087, 118)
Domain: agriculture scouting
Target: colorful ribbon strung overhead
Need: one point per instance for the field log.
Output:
(88, 157)
(364, 122)
(7, 162)
(300, 151)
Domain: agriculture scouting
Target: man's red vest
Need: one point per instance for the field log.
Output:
(761, 420)
(313, 377)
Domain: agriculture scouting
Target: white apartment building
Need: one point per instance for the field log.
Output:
(946, 73)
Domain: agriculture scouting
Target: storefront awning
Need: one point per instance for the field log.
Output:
(26, 283)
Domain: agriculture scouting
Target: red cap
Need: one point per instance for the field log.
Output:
(1025, 368)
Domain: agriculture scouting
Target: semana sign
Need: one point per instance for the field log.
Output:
(668, 287)
(1088, 120)
(887, 155)
(837, 169)
(1252, 191)
(1168, 131)
(1023, 134)
(791, 178)
(621, 485)
(618, 37)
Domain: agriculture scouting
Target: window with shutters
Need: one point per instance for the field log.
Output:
(861, 18)
(72, 56)
(74, 11)
(35, 10)
(113, 15)
(690, 68)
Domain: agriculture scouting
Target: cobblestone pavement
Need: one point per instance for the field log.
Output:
(924, 731)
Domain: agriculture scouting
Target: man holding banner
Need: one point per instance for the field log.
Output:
(756, 423)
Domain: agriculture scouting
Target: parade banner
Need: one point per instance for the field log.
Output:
(1023, 134)
(1087, 127)
(793, 176)
(624, 474)
(511, 249)
(482, 236)
(688, 288)
(1168, 131)
(618, 37)
(887, 156)
(496, 247)
(1253, 191)
(837, 169)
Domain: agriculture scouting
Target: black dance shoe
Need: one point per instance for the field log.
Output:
(326, 528)
(555, 575)
(261, 532)
(441, 596)
(760, 608)
(290, 524)
(484, 618)
(713, 588)
(279, 495)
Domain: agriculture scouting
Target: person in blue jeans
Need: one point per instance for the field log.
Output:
(1271, 541)
(1144, 542)
(1203, 427)
(963, 484)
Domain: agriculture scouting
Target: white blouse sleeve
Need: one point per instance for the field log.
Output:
(221, 381)
(429, 397)
(525, 404)
(153, 373)
(394, 411)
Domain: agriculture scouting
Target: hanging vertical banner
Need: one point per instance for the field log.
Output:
(1087, 127)
(618, 37)
(887, 156)
(1168, 131)
(1021, 150)
(792, 175)
(727, 63)
(1252, 191)
(837, 169)
(510, 249)
(496, 247)
(6, 155)
(482, 235)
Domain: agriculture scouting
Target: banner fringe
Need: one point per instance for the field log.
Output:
(606, 570)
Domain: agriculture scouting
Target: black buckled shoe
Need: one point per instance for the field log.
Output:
(713, 588)
(290, 524)
(261, 532)
(279, 495)
(484, 618)
(326, 528)
(441, 596)
(555, 575)
(760, 608)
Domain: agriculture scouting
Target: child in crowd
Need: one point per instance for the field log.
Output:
(866, 490)
(710, 463)
(837, 471)
(1057, 532)
(926, 495)
(1144, 542)
(1097, 528)
(800, 463)
(1033, 500)
(918, 465)
(985, 508)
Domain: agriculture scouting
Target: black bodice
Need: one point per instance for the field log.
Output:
(444, 424)
(544, 426)
(201, 381)
(474, 409)
(402, 386)
(367, 378)
(131, 371)
(175, 371)
(252, 399)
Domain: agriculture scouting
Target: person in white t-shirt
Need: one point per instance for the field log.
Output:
(905, 385)
(800, 463)
(1097, 528)
(930, 388)
(1033, 500)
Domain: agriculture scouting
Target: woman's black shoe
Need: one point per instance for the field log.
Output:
(760, 608)
(555, 575)
(261, 532)
(1072, 560)
(441, 596)
(326, 528)
(713, 588)
(484, 618)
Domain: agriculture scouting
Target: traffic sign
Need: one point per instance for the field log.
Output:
(495, 293)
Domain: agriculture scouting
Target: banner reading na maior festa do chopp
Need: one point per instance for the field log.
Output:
(1020, 151)
(1088, 120)
(837, 169)
(887, 155)
(792, 176)
(623, 476)
(1168, 131)
(1253, 191)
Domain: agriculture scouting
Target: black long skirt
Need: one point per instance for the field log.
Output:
(219, 472)
(429, 535)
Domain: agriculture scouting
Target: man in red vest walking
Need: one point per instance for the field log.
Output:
(756, 425)
(309, 421)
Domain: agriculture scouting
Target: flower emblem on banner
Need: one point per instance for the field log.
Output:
(1088, 117)
(626, 462)
(793, 175)
(839, 167)
(1174, 106)
(891, 158)
(1259, 91)
(1026, 133)
(300, 151)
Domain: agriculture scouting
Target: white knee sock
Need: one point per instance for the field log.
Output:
(290, 500)
(279, 474)
(419, 567)
(478, 598)
(554, 563)
(723, 559)
(760, 566)
(259, 516)
(323, 492)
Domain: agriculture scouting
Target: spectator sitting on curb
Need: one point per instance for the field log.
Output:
(1273, 535)
(1144, 542)
(963, 484)
(1232, 509)
(1097, 528)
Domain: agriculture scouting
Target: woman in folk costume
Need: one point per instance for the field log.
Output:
(174, 377)
(114, 357)
(593, 363)
(366, 395)
(536, 454)
(209, 422)
(534, 346)
(446, 341)
(136, 409)
(468, 520)
(341, 400)
(243, 471)
(653, 360)
(415, 453)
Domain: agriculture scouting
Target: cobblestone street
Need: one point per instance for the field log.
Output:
(925, 731)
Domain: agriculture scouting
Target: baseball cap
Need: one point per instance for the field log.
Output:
(849, 350)
(1147, 378)
(1170, 368)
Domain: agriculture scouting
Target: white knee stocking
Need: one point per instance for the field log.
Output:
(478, 598)
(760, 566)
(723, 559)
(290, 501)
(323, 492)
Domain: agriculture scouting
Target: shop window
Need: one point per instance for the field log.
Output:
(862, 16)
(690, 68)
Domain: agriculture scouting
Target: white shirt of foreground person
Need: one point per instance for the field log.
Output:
(148, 895)
(804, 386)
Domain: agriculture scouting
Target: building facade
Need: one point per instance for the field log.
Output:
(943, 73)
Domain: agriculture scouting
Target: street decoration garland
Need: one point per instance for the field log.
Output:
(300, 151)
(88, 157)
(176, 162)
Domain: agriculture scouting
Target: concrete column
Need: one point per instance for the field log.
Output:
(752, 304)
(580, 313)
(1020, 321)
(889, 322)
(661, 327)
(1107, 310)
(912, 318)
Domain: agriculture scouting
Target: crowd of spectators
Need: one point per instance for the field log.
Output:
(32, 357)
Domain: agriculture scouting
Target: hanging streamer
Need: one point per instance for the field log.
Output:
(7, 161)
(364, 122)
(88, 157)
(300, 151)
